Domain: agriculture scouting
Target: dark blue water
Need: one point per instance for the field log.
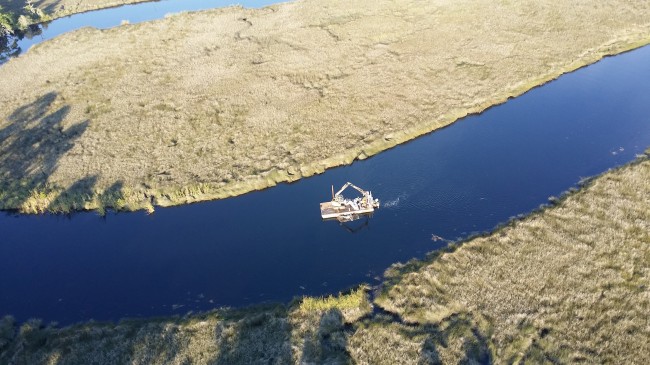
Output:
(112, 17)
(466, 178)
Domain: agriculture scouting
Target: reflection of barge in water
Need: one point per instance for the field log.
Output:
(345, 210)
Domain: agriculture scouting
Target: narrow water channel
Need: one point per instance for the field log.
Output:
(271, 245)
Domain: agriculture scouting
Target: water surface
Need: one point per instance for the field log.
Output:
(272, 244)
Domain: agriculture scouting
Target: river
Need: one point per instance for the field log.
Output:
(271, 245)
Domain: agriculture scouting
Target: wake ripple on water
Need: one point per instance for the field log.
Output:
(394, 203)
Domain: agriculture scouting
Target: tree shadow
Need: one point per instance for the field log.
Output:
(476, 348)
(260, 338)
(261, 335)
(9, 48)
(75, 196)
(16, 6)
(49, 7)
(328, 344)
(265, 337)
(458, 336)
(458, 328)
(112, 195)
(32, 142)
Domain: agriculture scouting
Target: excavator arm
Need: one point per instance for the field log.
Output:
(349, 184)
(348, 209)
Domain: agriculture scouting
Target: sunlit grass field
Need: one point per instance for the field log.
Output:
(212, 104)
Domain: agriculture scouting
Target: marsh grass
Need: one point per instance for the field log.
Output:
(383, 340)
(321, 326)
(270, 334)
(208, 105)
(354, 304)
(567, 283)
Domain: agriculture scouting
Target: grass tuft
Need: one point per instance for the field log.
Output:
(357, 298)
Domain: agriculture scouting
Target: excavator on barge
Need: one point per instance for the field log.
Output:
(345, 210)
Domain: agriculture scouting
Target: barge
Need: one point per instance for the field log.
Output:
(345, 210)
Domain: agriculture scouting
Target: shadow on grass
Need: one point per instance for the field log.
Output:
(247, 338)
(75, 197)
(328, 343)
(261, 335)
(49, 7)
(457, 328)
(15, 6)
(18, 6)
(32, 142)
(78, 195)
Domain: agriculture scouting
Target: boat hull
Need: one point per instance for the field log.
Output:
(329, 210)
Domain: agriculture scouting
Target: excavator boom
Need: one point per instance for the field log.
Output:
(349, 184)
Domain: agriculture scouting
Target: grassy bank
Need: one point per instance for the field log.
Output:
(308, 331)
(566, 284)
(569, 284)
(26, 18)
(218, 103)
(52, 9)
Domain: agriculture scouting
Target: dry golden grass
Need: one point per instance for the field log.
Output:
(566, 285)
(221, 337)
(218, 103)
(352, 306)
(261, 335)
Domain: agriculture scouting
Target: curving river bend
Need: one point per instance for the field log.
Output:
(272, 245)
